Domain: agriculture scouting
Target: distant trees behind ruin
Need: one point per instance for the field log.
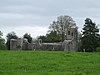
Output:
(10, 36)
(88, 39)
(58, 29)
(90, 36)
(28, 37)
(2, 41)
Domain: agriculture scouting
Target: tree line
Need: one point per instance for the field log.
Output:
(88, 39)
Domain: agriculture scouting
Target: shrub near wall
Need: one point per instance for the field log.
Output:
(98, 49)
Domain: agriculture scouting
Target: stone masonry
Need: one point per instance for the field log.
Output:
(68, 45)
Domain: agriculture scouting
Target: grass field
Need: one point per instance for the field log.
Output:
(49, 63)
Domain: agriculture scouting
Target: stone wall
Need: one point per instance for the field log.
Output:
(48, 46)
(69, 45)
(13, 44)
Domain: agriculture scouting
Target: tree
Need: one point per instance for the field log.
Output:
(11, 35)
(89, 36)
(53, 37)
(43, 38)
(50, 37)
(28, 37)
(79, 41)
(61, 26)
(2, 42)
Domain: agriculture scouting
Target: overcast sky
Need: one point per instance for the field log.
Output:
(35, 16)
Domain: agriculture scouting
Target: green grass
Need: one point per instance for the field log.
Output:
(49, 63)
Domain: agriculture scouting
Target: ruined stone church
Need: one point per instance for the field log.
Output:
(68, 45)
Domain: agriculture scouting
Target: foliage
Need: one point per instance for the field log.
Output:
(2, 41)
(89, 36)
(61, 26)
(98, 49)
(50, 37)
(58, 29)
(79, 42)
(2, 44)
(11, 35)
(18, 46)
(53, 37)
(28, 37)
(43, 38)
(49, 63)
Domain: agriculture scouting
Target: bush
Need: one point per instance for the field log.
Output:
(98, 49)
(18, 46)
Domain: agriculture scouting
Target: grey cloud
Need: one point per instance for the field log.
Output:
(43, 12)
(21, 9)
